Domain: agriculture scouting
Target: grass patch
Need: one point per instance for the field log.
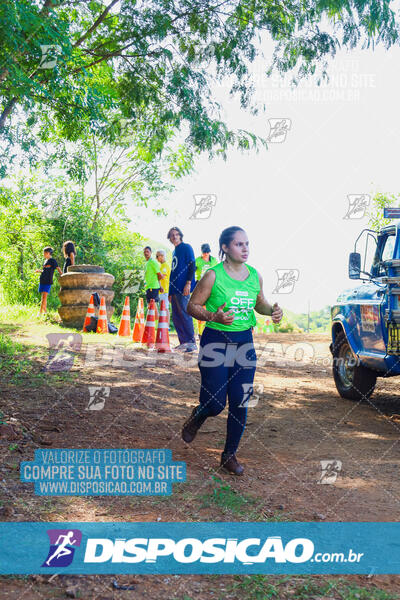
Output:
(260, 587)
(225, 497)
(19, 364)
(23, 313)
(238, 505)
(10, 313)
(8, 348)
(13, 361)
(234, 505)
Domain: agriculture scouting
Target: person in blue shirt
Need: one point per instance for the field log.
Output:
(181, 284)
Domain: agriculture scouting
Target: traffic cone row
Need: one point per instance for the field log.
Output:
(125, 324)
(102, 324)
(162, 337)
(149, 334)
(138, 327)
(144, 333)
(89, 314)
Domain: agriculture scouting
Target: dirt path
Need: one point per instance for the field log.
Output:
(299, 420)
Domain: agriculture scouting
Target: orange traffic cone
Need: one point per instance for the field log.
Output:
(102, 325)
(125, 324)
(89, 314)
(156, 309)
(149, 334)
(138, 327)
(162, 337)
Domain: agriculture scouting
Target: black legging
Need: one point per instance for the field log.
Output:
(227, 370)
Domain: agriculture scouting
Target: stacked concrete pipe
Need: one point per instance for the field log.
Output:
(77, 285)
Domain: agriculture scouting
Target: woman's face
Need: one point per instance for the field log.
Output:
(238, 249)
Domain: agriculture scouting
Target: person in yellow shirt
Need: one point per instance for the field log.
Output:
(203, 263)
(165, 270)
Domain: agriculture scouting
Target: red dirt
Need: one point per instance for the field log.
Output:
(299, 421)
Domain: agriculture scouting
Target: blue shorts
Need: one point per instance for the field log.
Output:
(43, 287)
(152, 294)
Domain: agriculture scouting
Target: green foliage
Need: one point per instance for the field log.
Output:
(297, 323)
(131, 169)
(122, 58)
(8, 347)
(258, 587)
(379, 201)
(286, 326)
(225, 497)
(13, 313)
(320, 320)
(26, 228)
(13, 361)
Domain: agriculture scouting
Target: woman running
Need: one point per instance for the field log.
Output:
(230, 291)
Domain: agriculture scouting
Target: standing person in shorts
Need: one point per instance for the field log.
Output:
(152, 276)
(46, 277)
(230, 291)
(165, 270)
(69, 253)
(203, 263)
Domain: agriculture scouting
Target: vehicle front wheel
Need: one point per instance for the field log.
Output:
(353, 381)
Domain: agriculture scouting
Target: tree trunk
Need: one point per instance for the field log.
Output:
(21, 262)
(6, 112)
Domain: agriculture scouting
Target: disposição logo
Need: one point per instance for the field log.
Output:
(62, 547)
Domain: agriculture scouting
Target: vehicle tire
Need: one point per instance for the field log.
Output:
(353, 381)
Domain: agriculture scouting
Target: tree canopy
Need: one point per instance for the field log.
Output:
(77, 67)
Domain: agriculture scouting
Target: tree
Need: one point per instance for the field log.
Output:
(128, 169)
(27, 226)
(379, 201)
(73, 62)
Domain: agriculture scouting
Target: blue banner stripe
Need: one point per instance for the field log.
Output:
(213, 548)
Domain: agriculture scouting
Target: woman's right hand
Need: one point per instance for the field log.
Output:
(226, 318)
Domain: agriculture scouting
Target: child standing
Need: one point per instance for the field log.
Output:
(46, 277)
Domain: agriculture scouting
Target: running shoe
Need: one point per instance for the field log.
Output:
(180, 347)
(191, 348)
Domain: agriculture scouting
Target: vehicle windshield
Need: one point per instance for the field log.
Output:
(386, 253)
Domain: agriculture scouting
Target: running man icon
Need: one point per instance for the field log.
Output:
(61, 550)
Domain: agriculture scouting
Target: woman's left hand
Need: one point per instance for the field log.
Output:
(277, 313)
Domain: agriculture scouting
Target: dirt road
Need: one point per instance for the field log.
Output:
(298, 421)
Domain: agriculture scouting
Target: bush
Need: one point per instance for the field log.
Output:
(26, 228)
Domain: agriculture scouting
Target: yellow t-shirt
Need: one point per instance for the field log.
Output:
(165, 269)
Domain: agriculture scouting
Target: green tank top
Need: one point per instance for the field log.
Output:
(240, 296)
